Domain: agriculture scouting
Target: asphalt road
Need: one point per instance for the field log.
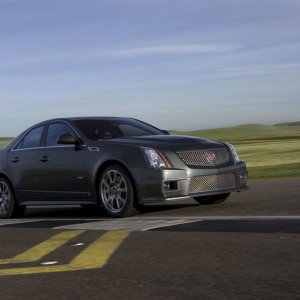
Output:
(245, 248)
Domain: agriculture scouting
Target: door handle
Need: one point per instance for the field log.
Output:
(44, 159)
(15, 159)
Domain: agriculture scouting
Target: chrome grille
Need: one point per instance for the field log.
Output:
(205, 158)
(209, 183)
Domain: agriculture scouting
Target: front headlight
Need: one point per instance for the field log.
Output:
(156, 159)
(234, 153)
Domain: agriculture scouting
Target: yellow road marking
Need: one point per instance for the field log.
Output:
(96, 255)
(39, 251)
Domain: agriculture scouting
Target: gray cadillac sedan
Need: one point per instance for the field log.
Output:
(120, 163)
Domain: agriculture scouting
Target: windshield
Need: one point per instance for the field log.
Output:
(108, 129)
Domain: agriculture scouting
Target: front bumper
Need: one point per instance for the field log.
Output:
(176, 184)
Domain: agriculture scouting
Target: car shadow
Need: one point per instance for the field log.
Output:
(74, 212)
(77, 212)
(164, 208)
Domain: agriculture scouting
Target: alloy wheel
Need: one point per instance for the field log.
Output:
(114, 191)
(5, 198)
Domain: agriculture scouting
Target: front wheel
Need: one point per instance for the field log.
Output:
(116, 192)
(8, 206)
(214, 199)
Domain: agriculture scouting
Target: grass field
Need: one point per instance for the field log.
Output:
(4, 141)
(269, 151)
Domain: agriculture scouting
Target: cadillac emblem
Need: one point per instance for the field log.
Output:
(211, 158)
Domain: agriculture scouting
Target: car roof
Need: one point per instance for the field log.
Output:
(97, 118)
(83, 118)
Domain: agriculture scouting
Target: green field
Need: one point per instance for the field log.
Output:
(4, 141)
(269, 151)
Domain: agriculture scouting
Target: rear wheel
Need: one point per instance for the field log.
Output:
(214, 199)
(116, 192)
(8, 205)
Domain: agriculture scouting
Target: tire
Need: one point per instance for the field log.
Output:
(8, 205)
(214, 199)
(116, 192)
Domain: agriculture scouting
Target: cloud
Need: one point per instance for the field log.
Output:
(118, 54)
(175, 49)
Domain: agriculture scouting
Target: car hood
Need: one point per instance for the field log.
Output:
(174, 142)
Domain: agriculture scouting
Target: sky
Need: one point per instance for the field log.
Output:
(177, 64)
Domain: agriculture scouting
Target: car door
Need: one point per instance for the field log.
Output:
(23, 164)
(62, 170)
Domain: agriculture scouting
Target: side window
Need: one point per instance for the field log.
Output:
(55, 130)
(32, 139)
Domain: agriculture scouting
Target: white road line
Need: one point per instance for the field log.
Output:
(170, 223)
(147, 223)
(127, 224)
(140, 223)
(4, 222)
(219, 218)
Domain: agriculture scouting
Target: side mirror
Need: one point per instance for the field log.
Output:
(68, 139)
(165, 132)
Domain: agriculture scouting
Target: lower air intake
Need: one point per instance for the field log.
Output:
(208, 183)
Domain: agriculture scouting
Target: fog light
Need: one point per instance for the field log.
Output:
(243, 177)
(166, 185)
(170, 185)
